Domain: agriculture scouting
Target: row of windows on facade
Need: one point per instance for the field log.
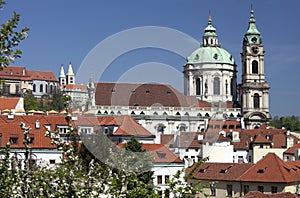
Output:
(254, 65)
(41, 88)
(164, 114)
(274, 189)
(216, 87)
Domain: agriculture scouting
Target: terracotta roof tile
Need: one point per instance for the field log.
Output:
(42, 75)
(14, 73)
(261, 139)
(271, 169)
(127, 125)
(76, 87)
(221, 171)
(291, 150)
(8, 103)
(161, 154)
(125, 94)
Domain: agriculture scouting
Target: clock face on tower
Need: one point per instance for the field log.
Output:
(254, 49)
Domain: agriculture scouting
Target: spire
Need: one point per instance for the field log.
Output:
(210, 30)
(252, 36)
(62, 72)
(70, 70)
(252, 29)
(210, 37)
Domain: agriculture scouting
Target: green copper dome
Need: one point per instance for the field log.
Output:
(210, 50)
(210, 55)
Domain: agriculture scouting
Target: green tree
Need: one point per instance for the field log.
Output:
(10, 39)
(134, 145)
(57, 102)
(289, 122)
(30, 102)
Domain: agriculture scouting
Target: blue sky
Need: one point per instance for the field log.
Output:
(64, 31)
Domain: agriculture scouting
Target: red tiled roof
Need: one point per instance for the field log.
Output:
(14, 73)
(161, 154)
(291, 150)
(73, 87)
(221, 171)
(271, 169)
(127, 125)
(8, 103)
(125, 94)
(167, 139)
(42, 75)
(261, 139)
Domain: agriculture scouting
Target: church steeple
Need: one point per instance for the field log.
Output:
(254, 89)
(70, 75)
(62, 76)
(210, 37)
(252, 35)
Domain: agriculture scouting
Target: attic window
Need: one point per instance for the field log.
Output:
(261, 171)
(147, 92)
(168, 92)
(14, 139)
(203, 170)
(113, 90)
(225, 170)
(287, 169)
(161, 155)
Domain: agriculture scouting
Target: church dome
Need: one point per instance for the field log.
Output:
(210, 50)
(210, 54)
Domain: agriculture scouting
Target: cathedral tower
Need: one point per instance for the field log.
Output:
(62, 76)
(254, 90)
(210, 71)
(70, 75)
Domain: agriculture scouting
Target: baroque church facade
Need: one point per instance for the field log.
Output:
(210, 90)
(210, 74)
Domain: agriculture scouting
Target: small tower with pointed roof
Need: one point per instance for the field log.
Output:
(254, 90)
(70, 75)
(62, 76)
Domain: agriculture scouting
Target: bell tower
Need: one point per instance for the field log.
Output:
(254, 90)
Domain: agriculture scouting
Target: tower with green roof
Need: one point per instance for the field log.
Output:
(254, 90)
(210, 71)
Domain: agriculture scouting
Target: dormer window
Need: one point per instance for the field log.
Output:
(14, 139)
(37, 124)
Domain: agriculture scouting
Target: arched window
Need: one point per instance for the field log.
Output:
(254, 67)
(216, 86)
(198, 87)
(245, 67)
(41, 88)
(46, 88)
(256, 101)
(51, 88)
(34, 88)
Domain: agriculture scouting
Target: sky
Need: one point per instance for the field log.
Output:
(147, 41)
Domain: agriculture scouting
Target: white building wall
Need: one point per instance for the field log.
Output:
(218, 152)
(165, 170)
